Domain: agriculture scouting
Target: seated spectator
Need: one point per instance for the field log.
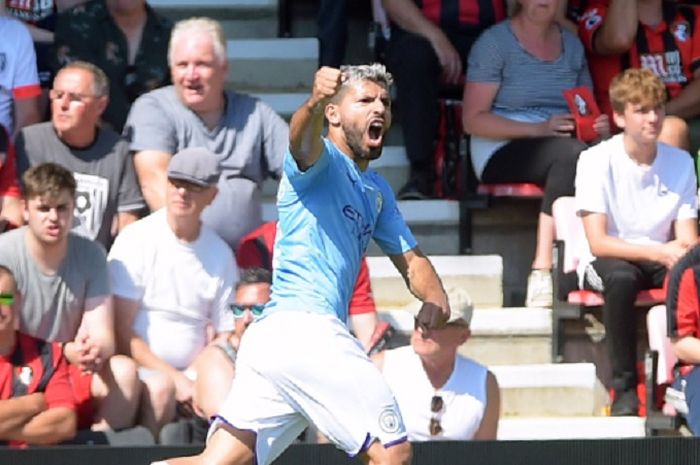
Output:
(64, 284)
(197, 111)
(683, 326)
(36, 399)
(172, 279)
(98, 157)
(10, 203)
(212, 386)
(521, 128)
(126, 39)
(659, 35)
(615, 181)
(19, 82)
(425, 52)
(255, 250)
(443, 396)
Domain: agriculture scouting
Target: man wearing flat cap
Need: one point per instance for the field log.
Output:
(172, 279)
(443, 396)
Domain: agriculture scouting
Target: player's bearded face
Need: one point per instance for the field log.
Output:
(366, 118)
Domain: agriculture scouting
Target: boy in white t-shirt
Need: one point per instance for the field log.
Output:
(637, 199)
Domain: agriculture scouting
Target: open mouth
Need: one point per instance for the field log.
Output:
(376, 131)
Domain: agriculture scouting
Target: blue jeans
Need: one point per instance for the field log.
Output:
(692, 397)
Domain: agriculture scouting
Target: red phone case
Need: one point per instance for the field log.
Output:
(583, 106)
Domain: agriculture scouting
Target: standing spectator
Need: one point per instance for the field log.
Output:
(10, 202)
(172, 278)
(332, 21)
(615, 181)
(212, 386)
(521, 128)
(442, 395)
(659, 35)
(98, 157)
(64, 284)
(126, 39)
(36, 399)
(197, 111)
(19, 82)
(255, 250)
(426, 51)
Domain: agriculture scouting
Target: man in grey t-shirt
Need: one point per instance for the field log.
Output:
(197, 111)
(98, 157)
(63, 282)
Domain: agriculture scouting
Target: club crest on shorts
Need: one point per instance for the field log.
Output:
(389, 421)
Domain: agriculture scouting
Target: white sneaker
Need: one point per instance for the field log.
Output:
(539, 289)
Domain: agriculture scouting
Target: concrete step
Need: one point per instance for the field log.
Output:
(435, 223)
(258, 65)
(562, 389)
(500, 336)
(479, 275)
(239, 18)
(538, 428)
(284, 103)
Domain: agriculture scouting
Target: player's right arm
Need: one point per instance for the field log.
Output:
(306, 125)
(425, 284)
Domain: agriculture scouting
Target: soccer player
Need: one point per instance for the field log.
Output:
(329, 206)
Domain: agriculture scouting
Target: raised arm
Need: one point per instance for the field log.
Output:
(306, 125)
(424, 283)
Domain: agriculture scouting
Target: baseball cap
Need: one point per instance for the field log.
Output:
(196, 165)
(461, 306)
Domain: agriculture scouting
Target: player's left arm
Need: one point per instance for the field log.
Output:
(424, 283)
(687, 103)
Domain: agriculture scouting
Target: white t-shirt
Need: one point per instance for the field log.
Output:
(464, 396)
(640, 202)
(182, 286)
(18, 72)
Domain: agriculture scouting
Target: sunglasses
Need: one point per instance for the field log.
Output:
(436, 406)
(7, 299)
(239, 310)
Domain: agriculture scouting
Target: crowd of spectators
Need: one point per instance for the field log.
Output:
(135, 194)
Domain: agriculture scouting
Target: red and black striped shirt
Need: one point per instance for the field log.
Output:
(683, 300)
(464, 16)
(671, 49)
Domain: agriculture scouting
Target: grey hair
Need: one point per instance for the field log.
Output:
(203, 25)
(375, 72)
(100, 81)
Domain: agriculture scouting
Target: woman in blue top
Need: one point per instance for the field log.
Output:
(520, 125)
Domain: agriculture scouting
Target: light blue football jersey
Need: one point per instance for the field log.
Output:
(327, 215)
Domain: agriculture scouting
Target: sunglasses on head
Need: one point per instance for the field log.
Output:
(239, 310)
(436, 406)
(7, 298)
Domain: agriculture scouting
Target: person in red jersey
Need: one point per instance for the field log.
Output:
(255, 250)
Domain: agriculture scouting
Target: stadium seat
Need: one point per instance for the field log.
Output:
(658, 368)
(569, 301)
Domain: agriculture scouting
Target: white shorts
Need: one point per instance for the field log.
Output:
(298, 367)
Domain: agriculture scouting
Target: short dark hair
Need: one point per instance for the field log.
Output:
(254, 275)
(47, 179)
